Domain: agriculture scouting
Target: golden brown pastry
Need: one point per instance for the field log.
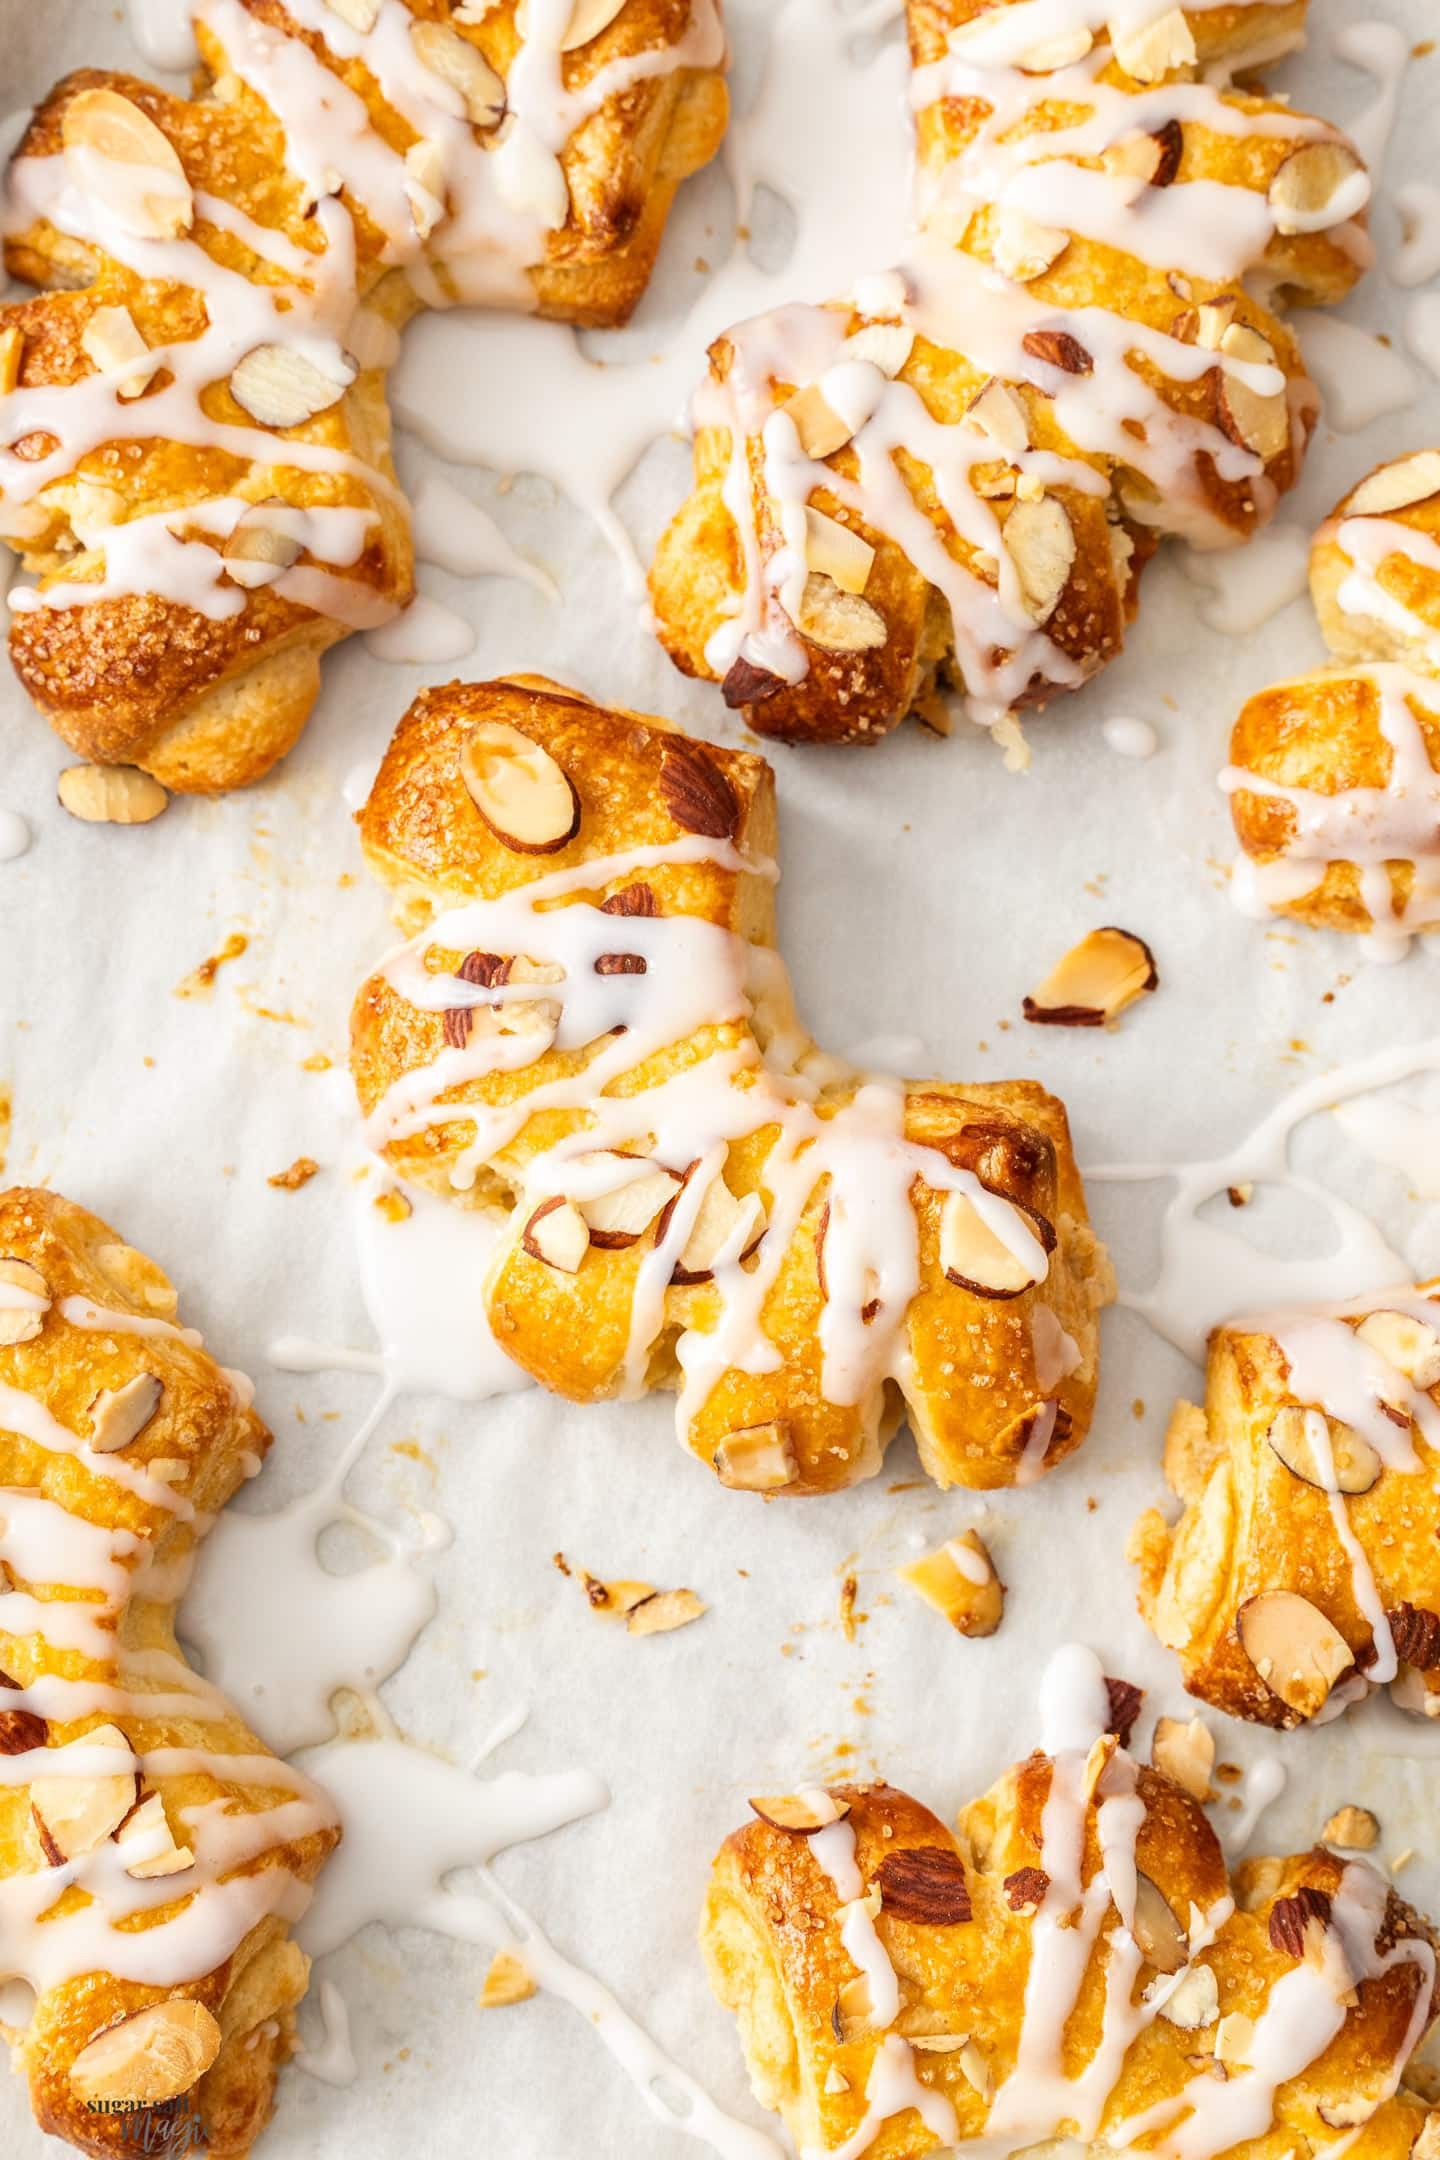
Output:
(1305, 1569)
(153, 1853)
(194, 442)
(1333, 776)
(954, 477)
(1073, 1961)
(589, 1038)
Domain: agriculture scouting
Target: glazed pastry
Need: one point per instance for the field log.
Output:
(1332, 777)
(196, 452)
(588, 1037)
(1072, 1961)
(153, 1853)
(954, 477)
(1304, 1571)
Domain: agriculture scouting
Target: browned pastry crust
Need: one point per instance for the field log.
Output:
(772, 1943)
(972, 1388)
(205, 1441)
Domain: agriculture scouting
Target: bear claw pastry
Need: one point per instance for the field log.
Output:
(1073, 1962)
(588, 1038)
(955, 476)
(194, 442)
(1304, 1571)
(153, 1853)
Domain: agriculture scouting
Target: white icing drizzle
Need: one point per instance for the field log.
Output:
(1360, 379)
(1130, 738)
(161, 29)
(1417, 259)
(1245, 591)
(14, 835)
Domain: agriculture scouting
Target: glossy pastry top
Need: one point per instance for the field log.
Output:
(956, 475)
(589, 1038)
(153, 1853)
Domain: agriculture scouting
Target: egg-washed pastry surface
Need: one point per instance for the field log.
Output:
(194, 441)
(588, 1038)
(1072, 1961)
(954, 477)
(1304, 1571)
(153, 1853)
(1333, 777)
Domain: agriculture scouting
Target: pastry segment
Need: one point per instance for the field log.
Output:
(153, 1853)
(589, 1037)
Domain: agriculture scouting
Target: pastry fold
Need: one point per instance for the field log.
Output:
(589, 1037)
(153, 1853)
(205, 523)
(1304, 1570)
(1079, 356)
(1333, 776)
(1072, 1961)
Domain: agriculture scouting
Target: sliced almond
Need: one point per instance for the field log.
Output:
(1298, 1438)
(1040, 541)
(1294, 1648)
(110, 794)
(1195, 2003)
(886, 346)
(1095, 982)
(760, 1458)
(1318, 186)
(1155, 159)
(1348, 2114)
(141, 176)
(665, 1611)
(974, 1258)
(425, 185)
(112, 340)
(621, 1217)
(1407, 1344)
(1159, 1934)
(723, 1220)
(282, 387)
(119, 1415)
(147, 1843)
(804, 1812)
(587, 19)
(152, 2057)
(837, 2082)
(976, 2070)
(1213, 318)
(1235, 2040)
(958, 1579)
(359, 14)
(1259, 423)
(840, 621)
(12, 352)
(613, 1600)
(834, 551)
(1023, 249)
(1398, 486)
(939, 2043)
(1148, 51)
(1062, 50)
(524, 796)
(460, 64)
(558, 1234)
(75, 1814)
(1354, 1828)
(1184, 1749)
(999, 413)
(21, 1323)
(258, 551)
(507, 1982)
(820, 428)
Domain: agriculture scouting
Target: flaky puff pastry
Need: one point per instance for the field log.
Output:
(1069, 365)
(148, 1880)
(1304, 1570)
(1071, 1961)
(1333, 775)
(589, 1037)
(233, 502)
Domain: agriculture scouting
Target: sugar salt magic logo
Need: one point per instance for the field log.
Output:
(162, 2126)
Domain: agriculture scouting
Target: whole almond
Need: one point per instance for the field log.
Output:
(1417, 1635)
(1058, 349)
(747, 684)
(631, 900)
(1125, 1701)
(696, 793)
(1026, 1888)
(620, 963)
(925, 1884)
(110, 794)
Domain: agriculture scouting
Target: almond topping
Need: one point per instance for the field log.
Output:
(1257, 421)
(20, 1322)
(1057, 349)
(839, 621)
(666, 1610)
(974, 1258)
(1062, 50)
(20, 1730)
(119, 1415)
(1318, 186)
(425, 186)
(360, 14)
(696, 793)
(1294, 1648)
(1304, 1439)
(998, 412)
(1095, 982)
(1026, 1889)
(1040, 541)
(112, 340)
(939, 2043)
(524, 796)
(804, 1812)
(150, 2058)
(110, 794)
(1148, 51)
(620, 1217)
(506, 1982)
(924, 1884)
(282, 387)
(1024, 250)
(958, 1579)
(1416, 1631)
(75, 1814)
(759, 1458)
(834, 551)
(587, 19)
(854, 2011)
(1354, 1828)
(259, 550)
(820, 428)
(1185, 1751)
(1234, 2039)
(1155, 159)
(886, 346)
(457, 62)
(1294, 1919)
(976, 2070)
(1157, 1931)
(558, 1234)
(12, 352)
(1396, 487)
(141, 178)
(724, 1222)
(147, 1843)
(1407, 1344)
(1195, 2002)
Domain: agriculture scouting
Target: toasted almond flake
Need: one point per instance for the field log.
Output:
(976, 2070)
(999, 413)
(1404, 1342)
(1023, 249)
(1060, 51)
(761, 1458)
(507, 1982)
(1154, 158)
(558, 1234)
(1095, 982)
(21, 1322)
(725, 1220)
(12, 352)
(1318, 186)
(282, 387)
(1184, 1749)
(1354, 1828)
(112, 340)
(359, 14)
(1157, 1931)
(974, 1258)
(120, 1415)
(1348, 2114)
(1148, 51)
(460, 64)
(141, 175)
(886, 346)
(151, 2057)
(75, 1814)
(665, 1611)
(110, 794)
(834, 551)
(587, 19)
(1234, 2039)
(169, 1469)
(804, 1812)
(619, 1218)
(425, 185)
(958, 1579)
(820, 428)
(613, 1600)
(1294, 1649)
(523, 794)
(854, 2011)
(836, 2080)
(840, 621)
(1308, 1444)
(939, 2043)
(1398, 486)
(1040, 541)
(1195, 2003)
(259, 550)
(147, 1843)
(1260, 423)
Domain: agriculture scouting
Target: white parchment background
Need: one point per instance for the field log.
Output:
(925, 889)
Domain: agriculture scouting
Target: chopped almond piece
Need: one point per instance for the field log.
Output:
(959, 1580)
(760, 1459)
(821, 430)
(506, 1982)
(1294, 1649)
(1185, 1751)
(665, 1611)
(1095, 982)
(1355, 1828)
(833, 551)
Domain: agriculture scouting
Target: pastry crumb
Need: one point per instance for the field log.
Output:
(299, 1173)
